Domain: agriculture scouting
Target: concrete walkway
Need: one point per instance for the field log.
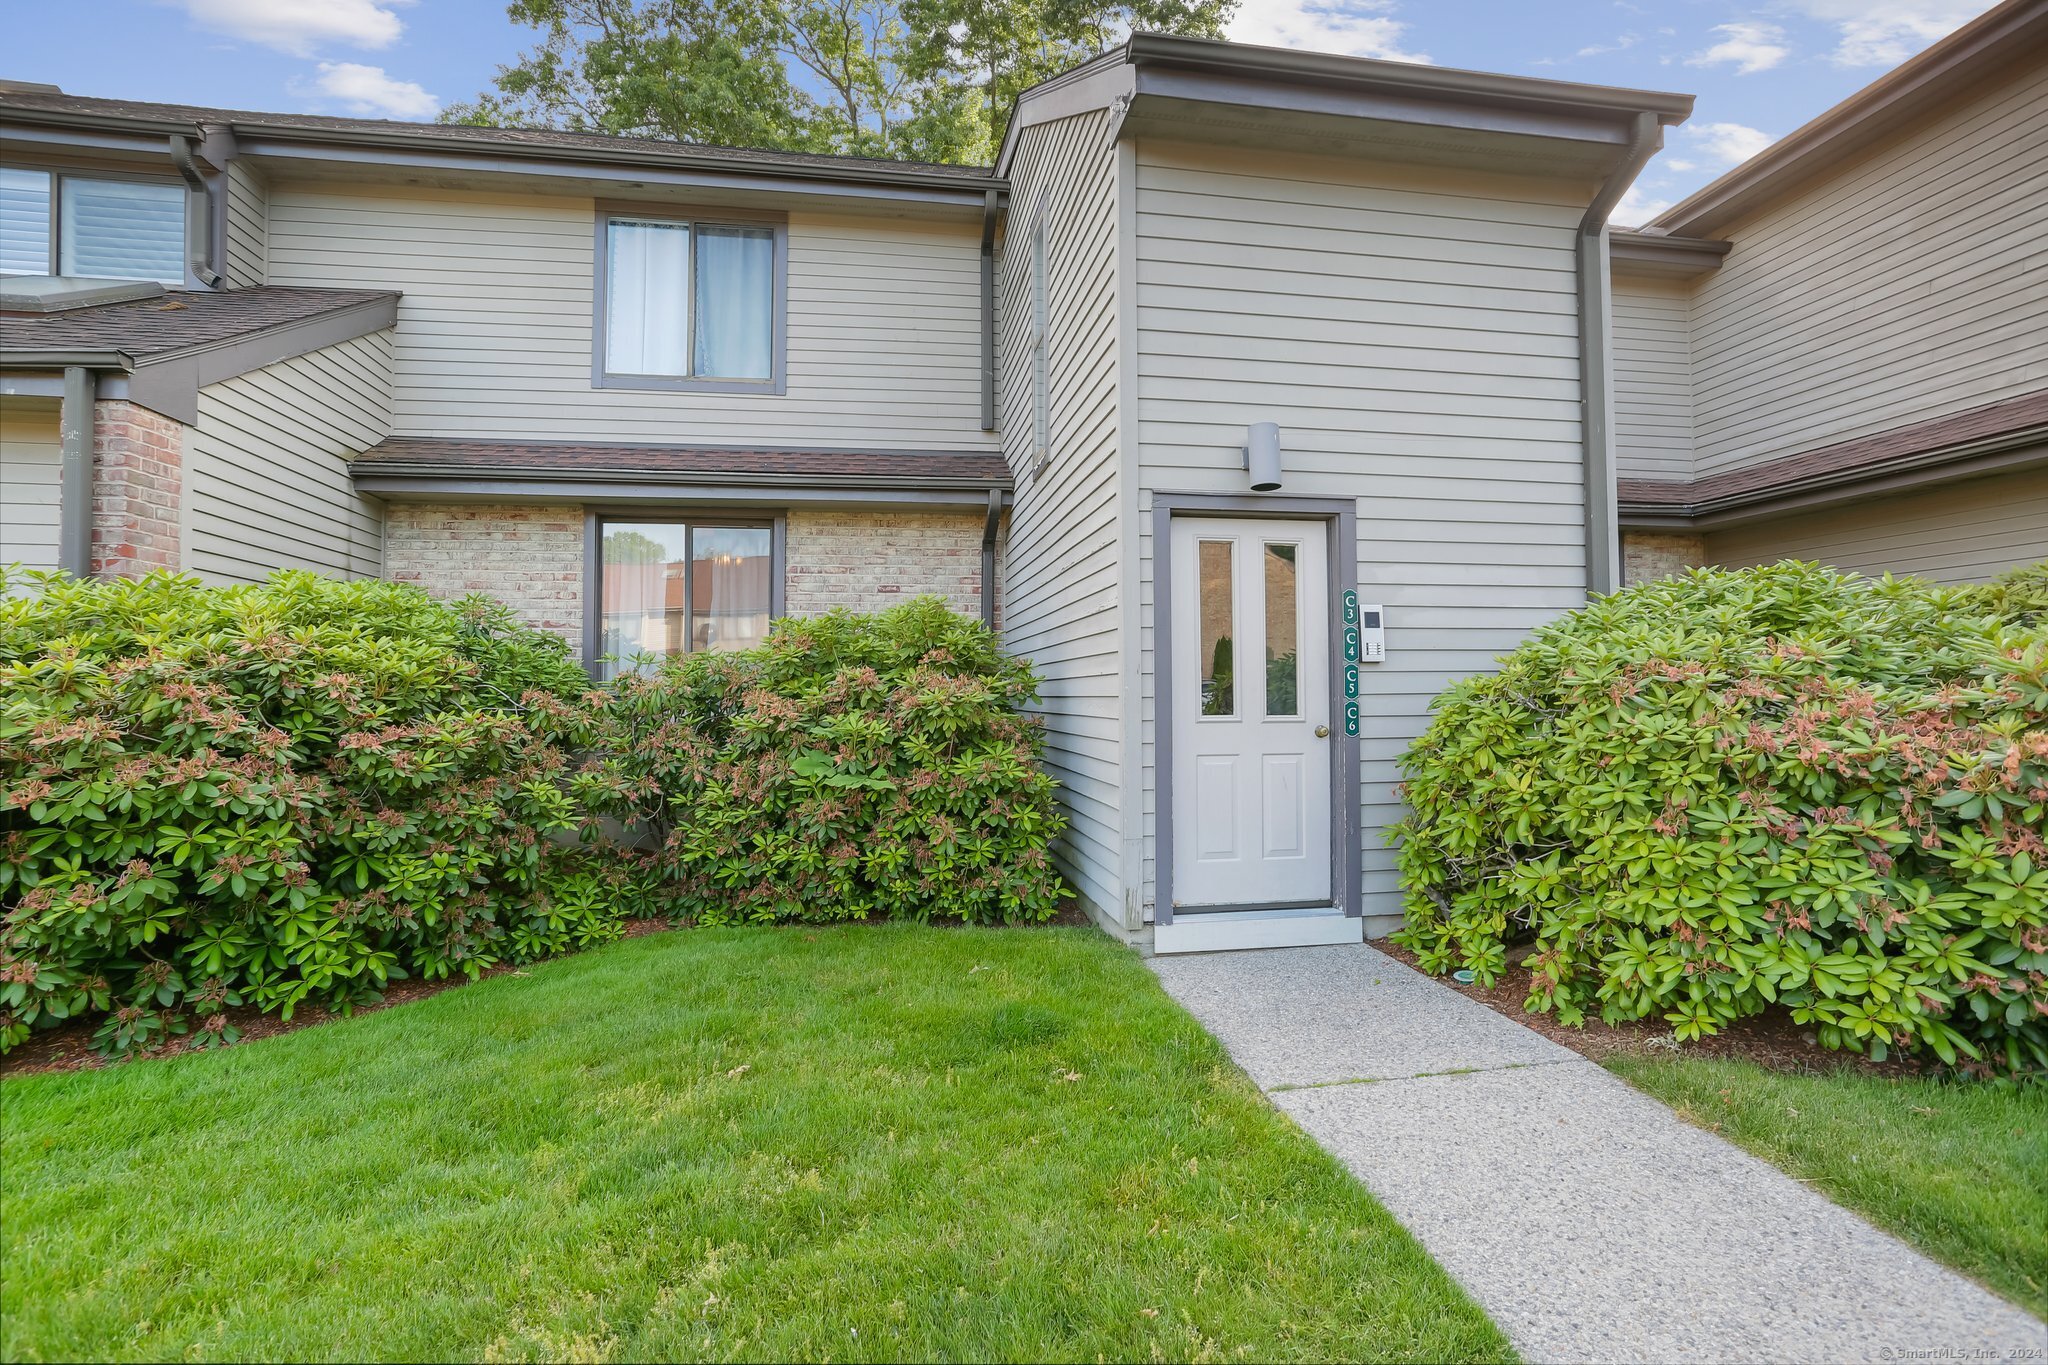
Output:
(1589, 1220)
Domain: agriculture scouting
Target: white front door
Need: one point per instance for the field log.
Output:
(1250, 690)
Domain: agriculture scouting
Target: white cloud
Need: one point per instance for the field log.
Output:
(1886, 32)
(1355, 28)
(367, 90)
(301, 27)
(1637, 207)
(1621, 44)
(1721, 145)
(1749, 47)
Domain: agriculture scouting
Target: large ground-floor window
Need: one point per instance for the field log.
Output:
(670, 586)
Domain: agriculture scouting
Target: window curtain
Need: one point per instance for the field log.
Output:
(24, 222)
(122, 230)
(647, 298)
(730, 569)
(735, 302)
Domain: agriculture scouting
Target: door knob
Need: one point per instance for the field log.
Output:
(1322, 732)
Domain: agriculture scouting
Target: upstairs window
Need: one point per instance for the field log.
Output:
(55, 223)
(690, 303)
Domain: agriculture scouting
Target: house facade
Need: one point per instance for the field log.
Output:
(1253, 395)
(1839, 350)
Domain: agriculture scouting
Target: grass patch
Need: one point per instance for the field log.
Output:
(859, 1143)
(1956, 1169)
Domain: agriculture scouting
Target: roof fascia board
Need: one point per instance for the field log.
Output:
(647, 168)
(1428, 82)
(1396, 106)
(756, 489)
(1949, 68)
(1096, 86)
(1639, 253)
(83, 137)
(2005, 453)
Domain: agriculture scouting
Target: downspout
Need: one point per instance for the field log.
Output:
(200, 245)
(988, 311)
(1603, 537)
(74, 435)
(988, 557)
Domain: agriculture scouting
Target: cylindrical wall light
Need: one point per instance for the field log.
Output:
(1262, 456)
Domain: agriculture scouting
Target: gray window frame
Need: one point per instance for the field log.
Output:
(595, 519)
(777, 382)
(59, 174)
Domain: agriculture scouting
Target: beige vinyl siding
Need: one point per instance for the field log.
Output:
(1060, 597)
(1413, 332)
(248, 226)
(31, 470)
(267, 466)
(494, 330)
(1912, 284)
(1963, 533)
(1652, 385)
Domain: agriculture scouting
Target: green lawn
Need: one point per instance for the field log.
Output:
(1956, 1169)
(858, 1143)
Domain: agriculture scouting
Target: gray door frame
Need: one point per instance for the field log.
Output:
(1340, 518)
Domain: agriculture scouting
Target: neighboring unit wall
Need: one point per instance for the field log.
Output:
(1649, 555)
(31, 470)
(1962, 533)
(248, 226)
(1060, 603)
(873, 560)
(527, 555)
(1652, 378)
(494, 331)
(138, 490)
(267, 466)
(1414, 334)
(1908, 286)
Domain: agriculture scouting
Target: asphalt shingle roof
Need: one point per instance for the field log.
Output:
(471, 459)
(599, 144)
(175, 321)
(1876, 453)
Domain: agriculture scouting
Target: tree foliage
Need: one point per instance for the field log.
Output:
(921, 80)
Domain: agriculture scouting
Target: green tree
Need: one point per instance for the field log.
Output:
(926, 80)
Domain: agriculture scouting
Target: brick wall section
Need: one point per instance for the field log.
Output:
(869, 561)
(1650, 555)
(138, 487)
(530, 557)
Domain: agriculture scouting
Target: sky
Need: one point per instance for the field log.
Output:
(1759, 67)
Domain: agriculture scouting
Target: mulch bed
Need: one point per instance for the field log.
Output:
(1773, 1040)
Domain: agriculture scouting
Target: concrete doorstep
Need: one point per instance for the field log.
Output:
(1587, 1218)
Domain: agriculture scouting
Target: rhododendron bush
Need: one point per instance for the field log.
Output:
(295, 791)
(852, 766)
(1700, 797)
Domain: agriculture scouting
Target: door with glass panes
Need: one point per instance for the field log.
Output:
(1251, 713)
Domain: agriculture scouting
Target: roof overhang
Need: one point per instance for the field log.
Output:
(1203, 89)
(1978, 52)
(416, 151)
(1998, 438)
(1643, 253)
(169, 381)
(444, 470)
